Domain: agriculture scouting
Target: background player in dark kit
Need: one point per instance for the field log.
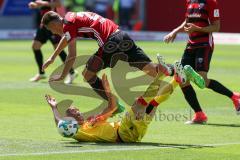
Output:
(43, 35)
(202, 19)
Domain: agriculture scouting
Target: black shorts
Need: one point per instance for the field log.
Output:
(198, 58)
(43, 35)
(119, 46)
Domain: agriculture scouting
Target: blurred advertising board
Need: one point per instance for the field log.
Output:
(14, 7)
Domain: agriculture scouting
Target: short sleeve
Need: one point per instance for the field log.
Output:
(70, 32)
(213, 10)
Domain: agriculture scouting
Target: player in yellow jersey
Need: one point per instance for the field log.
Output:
(134, 124)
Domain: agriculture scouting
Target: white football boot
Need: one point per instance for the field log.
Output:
(38, 77)
(167, 70)
(179, 75)
(70, 78)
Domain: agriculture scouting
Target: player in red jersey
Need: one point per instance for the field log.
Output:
(42, 35)
(202, 19)
(110, 39)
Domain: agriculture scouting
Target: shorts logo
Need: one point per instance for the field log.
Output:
(200, 60)
(111, 47)
(216, 13)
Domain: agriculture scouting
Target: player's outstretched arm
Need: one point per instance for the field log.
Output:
(112, 100)
(68, 63)
(62, 44)
(172, 36)
(53, 104)
(72, 53)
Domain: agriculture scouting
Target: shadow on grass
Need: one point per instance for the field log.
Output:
(73, 144)
(223, 125)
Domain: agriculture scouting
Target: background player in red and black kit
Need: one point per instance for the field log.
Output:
(202, 18)
(42, 35)
(111, 42)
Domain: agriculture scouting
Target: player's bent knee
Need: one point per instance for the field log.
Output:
(87, 75)
(84, 75)
(36, 46)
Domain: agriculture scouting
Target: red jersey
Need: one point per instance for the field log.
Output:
(201, 13)
(88, 25)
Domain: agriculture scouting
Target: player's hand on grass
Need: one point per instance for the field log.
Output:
(56, 78)
(51, 101)
(106, 85)
(189, 28)
(170, 37)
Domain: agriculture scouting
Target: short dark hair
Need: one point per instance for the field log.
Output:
(49, 17)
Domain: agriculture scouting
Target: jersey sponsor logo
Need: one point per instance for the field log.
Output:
(216, 13)
(67, 35)
(195, 15)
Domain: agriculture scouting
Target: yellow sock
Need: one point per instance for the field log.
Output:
(164, 93)
(153, 89)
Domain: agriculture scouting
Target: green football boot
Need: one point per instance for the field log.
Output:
(193, 76)
(120, 108)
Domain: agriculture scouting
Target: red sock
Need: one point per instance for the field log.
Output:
(142, 101)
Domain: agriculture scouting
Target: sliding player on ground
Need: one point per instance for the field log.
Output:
(42, 35)
(134, 124)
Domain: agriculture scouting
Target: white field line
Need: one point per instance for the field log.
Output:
(81, 151)
(112, 149)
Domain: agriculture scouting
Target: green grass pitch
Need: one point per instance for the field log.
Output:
(28, 131)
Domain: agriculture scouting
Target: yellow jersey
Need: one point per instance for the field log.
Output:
(128, 130)
(99, 132)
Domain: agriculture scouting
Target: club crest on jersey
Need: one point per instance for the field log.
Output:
(200, 60)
